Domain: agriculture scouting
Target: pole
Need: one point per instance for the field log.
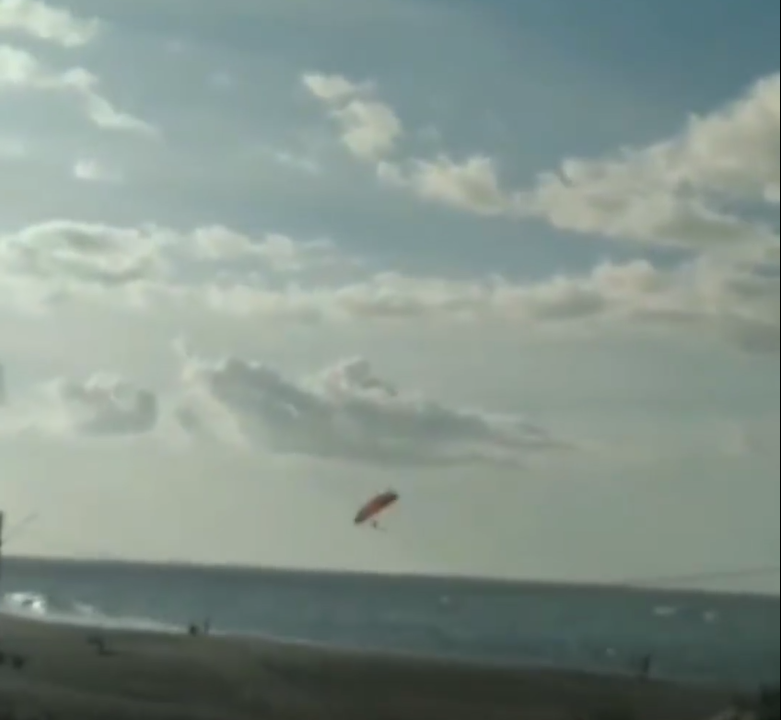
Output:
(2, 542)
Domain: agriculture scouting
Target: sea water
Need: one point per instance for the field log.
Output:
(690, 636)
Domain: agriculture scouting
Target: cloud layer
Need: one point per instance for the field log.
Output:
(274, 277)
(664, 194)
(344, 412)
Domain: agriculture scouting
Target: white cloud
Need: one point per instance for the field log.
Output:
(45, 22)
(665, 194)
(21, 71)
(331, 88)
(88, 254)
(90, 170)
(472, 185)
(101, 406)
(275, 251)
(735, 150)
(369, 128)
(224, 272)
(19, 68)
(347, 412)
(342, 413)
(100, 110)
(60, 252)
(106, 405)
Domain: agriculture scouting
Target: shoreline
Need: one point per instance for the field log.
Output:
(76, 672)
(629, 586)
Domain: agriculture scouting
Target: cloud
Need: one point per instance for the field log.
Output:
(60, 253)
(50, 263)
(90, 170)
(343, 413)
(82, 255)
(665, 194)
(472, 185)
(22, 71)
(101, 406)
(278, 252)
(331, 88)
(735, 150)
(106, 405)
(347, 412)
(369, 128)
(219, 271)
(47, 23)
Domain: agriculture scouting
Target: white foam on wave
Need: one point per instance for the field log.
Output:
(36, 606)
(665, 611)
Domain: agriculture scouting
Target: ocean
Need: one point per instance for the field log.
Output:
(691, 636)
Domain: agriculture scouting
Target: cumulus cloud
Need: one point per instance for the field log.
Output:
(344, 412)
(224, 272)
(45, 22)
(90, 170)
(22, 71)
(106, 405)
(332, 88)
(102, 405)
(369, 128)
(347, 412)
(665, 194)
(85, 254)
(62, 253)
(148, 266)
(279, 252)
(734, 150)
(472, 185)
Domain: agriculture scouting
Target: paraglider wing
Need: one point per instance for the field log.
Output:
(375, 506)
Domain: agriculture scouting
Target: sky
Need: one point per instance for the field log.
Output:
(518, 261)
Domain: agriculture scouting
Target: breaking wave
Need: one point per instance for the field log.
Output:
(37, 606)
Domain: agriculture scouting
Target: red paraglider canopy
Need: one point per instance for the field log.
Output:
(375, 506)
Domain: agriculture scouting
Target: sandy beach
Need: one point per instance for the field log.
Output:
(67, 673)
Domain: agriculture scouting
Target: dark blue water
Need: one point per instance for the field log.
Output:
(692, 636)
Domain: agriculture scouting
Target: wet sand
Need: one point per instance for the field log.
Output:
(59, 672)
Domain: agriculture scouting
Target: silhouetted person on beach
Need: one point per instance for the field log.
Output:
(194, 629)
(99, 643)
(645, 666)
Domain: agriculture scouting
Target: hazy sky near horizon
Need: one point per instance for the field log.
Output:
(517, 260)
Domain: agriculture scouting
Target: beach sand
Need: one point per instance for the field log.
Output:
(59, 670)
